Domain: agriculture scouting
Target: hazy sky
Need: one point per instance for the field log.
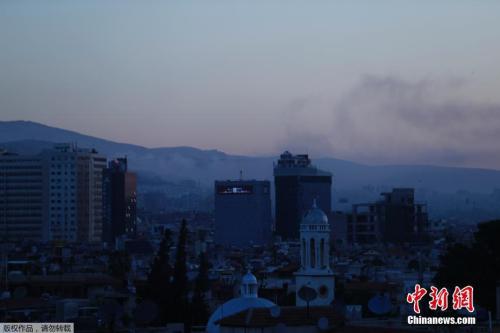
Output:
(371, 81)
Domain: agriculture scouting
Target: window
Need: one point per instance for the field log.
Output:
(304, 253)
(313, 253)
(322, 253)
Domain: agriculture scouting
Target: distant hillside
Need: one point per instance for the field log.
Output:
(165, 167)
(178, 163)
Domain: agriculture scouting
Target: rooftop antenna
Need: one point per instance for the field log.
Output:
(248, 266)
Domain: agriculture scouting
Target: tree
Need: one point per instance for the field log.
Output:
(199, 307)
(180, 282)
(477, 265)
(119, 266)
(159, 285)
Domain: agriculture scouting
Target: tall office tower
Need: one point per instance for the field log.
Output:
(120, 197)
(60, 163)
(90, 169)
(53, 195)
(396, 218)
(21, 198)
(297, 183)
(242, 212)
(75, 193)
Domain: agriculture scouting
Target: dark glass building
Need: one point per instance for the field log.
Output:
(242, 212)
(297, 183)
(120, 200)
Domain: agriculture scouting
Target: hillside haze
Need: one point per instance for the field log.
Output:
(179, 163)
(354, 181)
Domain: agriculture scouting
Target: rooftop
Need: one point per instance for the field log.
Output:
(289, 316)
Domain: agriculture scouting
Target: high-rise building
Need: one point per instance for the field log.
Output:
(120, 200)
(75, 193)
(242, 212)
(90, 168)
(396, 218)
(22, 208)
(297, 183)
(54, 195)
(62, 219)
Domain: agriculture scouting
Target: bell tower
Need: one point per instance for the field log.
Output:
(315, 271)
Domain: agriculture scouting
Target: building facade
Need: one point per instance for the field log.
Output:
(242, 212)
(397, 218)
(22, 207)
(61, 174)
(297, 183)
(90, 168)
(120, 200)
(54, 195)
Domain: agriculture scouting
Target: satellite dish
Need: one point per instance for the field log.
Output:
(275, 311)
(380, 304)
(16, 276)
(146, 312)
(307, 294)
(5, 295)
(323, 323)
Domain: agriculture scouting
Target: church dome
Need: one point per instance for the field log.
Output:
(249, 278)
(248, 299)
(234, 306)
(315, 216)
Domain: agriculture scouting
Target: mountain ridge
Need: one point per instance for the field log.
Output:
(204, 166)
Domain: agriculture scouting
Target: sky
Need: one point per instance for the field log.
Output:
(378, 82)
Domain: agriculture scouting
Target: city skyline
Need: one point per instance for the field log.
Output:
(389, 82)
(233, 166)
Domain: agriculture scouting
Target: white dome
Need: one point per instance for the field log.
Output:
(234, 306)
(315, 216)
(249, 286)
(249, 299)
(249, 278)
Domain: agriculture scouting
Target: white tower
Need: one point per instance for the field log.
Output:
(315, 271)
(249, 285)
